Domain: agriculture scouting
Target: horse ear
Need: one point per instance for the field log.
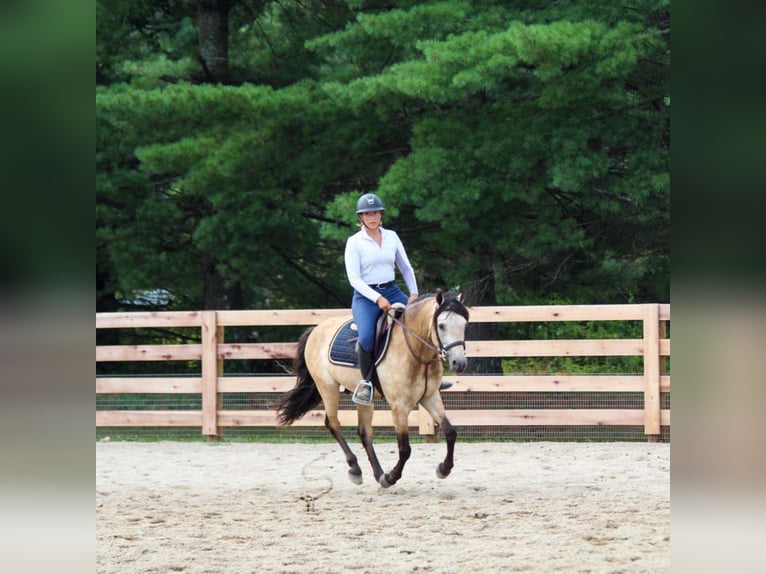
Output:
(460, 297)
(439, 296)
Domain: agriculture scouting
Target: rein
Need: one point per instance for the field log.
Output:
(440, 352)
(437, 352)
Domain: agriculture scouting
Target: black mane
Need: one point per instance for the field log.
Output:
(453, 304)
(450, 302)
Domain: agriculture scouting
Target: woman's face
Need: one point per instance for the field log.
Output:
(371, 219)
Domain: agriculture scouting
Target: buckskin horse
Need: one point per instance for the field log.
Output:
(430, 330)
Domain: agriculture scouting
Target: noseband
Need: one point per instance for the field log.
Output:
(444, 348)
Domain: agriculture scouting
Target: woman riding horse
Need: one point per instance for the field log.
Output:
(371, 256)
(430, 331)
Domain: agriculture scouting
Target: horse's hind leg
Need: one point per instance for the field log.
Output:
(435, 408)
(364, 430)
(403, 442)
(332, 423)
(354, 472)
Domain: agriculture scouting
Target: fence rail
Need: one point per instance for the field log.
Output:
(212, 352)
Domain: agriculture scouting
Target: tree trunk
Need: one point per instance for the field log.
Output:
(213, 35)
(478, 293)
(214, 294)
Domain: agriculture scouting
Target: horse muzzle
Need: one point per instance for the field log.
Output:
(458, 364)
(455, 355)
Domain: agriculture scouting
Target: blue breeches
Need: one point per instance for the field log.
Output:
(366, 313)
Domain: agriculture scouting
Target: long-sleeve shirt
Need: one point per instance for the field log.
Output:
(368, 263)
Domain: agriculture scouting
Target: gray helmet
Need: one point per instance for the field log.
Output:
(369, 202)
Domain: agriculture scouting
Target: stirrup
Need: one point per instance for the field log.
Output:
(360, 387)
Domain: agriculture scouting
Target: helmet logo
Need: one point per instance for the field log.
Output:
(369, 202)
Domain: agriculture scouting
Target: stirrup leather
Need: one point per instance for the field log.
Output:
(361, 386)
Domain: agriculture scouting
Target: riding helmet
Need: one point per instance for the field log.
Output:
(369, 202)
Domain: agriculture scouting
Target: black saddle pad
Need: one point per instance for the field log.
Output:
(343, 346)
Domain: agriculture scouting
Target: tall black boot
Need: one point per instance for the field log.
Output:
(363, 392)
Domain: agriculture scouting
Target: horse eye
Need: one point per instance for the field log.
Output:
(441, 326)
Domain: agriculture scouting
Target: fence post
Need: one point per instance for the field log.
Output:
(210, 373)
(663, 360)
(219, 374)
(651, 320)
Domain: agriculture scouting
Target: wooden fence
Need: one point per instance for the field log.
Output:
(212, 352)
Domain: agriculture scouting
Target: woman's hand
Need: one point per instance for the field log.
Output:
(384, 304)
(412, 298)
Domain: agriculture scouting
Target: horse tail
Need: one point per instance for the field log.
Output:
(304, 396)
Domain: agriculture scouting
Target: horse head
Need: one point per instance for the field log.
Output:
(450, 320)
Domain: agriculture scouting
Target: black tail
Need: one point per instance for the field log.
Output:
(304, 396)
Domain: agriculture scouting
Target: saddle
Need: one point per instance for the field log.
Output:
(343, 348)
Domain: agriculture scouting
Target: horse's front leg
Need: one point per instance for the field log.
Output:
(400, 416)
(435, 408)
(364, 430)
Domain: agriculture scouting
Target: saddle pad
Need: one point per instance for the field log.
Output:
(343, 345)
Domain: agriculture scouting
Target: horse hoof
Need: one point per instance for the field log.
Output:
(355, 478)
(440, 471)
(383, 482)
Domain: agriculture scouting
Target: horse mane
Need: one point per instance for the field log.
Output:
(450, 302)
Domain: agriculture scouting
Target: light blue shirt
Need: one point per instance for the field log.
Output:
(368, 263)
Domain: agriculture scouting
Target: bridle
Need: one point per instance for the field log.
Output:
(440, 352)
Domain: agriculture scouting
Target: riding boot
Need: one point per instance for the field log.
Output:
(363, 392)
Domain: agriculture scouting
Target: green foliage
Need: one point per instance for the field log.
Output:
(521, 149)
